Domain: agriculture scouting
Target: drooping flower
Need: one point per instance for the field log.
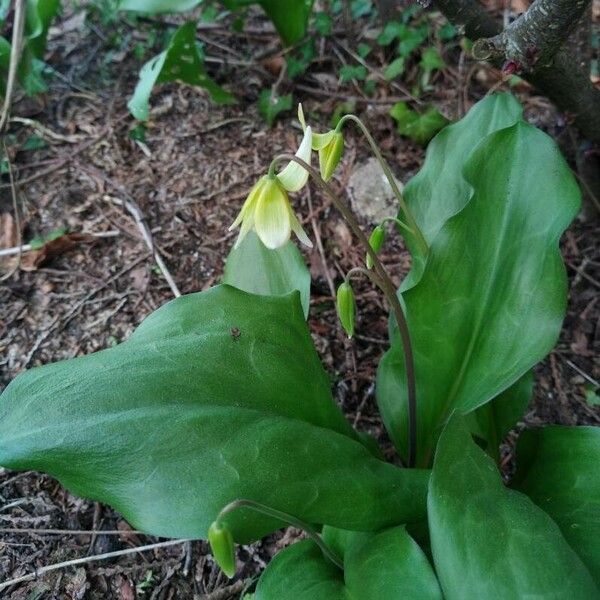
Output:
(346, 307)
(221, 544)
(267, 208)
(330, 146)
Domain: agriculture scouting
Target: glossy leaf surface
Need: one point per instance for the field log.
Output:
(377, 566)
(559, 469)
(179, 62)
(158, 6)
(492, 542)
(254, 268)
(217, 396)
(490, 302)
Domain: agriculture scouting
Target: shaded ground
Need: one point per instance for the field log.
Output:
(189, 179)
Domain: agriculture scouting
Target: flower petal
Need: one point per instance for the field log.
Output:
(248, 206)
(294, 177)
(299, 230)
(272, 216)
(320, 140)
(301, 117)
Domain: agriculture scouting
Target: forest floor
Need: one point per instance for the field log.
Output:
(188, 178)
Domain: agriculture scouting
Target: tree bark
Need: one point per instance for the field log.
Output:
(553, 70)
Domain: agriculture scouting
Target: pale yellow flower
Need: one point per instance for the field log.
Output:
(267, 208)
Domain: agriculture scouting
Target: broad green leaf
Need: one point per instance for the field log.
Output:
(391, 31)
(492, 297)
(418, 127)
(492, 542)
(492, 421)
(377, 566)
(38, 19)
(270, 105)
(179, 62)
(300, 572)
(350, 72)
(290, 17)
(439, 190)
(158, 6)
(254, 268)
(217, 396)
(559, 469)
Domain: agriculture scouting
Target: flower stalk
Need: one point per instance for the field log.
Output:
(286, 518)
(412, 224)
(389, 290)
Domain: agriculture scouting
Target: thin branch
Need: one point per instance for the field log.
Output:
(15, 57)
(87, 559)
(13, 193)
(536, 36)
(561, 79)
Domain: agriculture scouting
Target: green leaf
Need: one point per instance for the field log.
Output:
(591, 395)
(270, 105)
(38, 19)
(158, 6)
(290, 17)
(350, 72)
(179, 62)
(377, 566)
(395, 68)
(363, 50)
(492, 542)
(557, 467)
(254, 268)
(431, 60)
(487, 307)
(391, 31)
(427, 193)
(410, 39)
(492, 421)
(418, 127)
(217, 396)
(323, 23)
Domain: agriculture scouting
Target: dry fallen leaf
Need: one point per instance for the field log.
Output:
(8, 231)
(36, 258)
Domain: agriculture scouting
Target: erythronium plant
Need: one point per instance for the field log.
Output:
(215, 419)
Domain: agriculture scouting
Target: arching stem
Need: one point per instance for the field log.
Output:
(389, 290)
(286, 518)
(391, 179)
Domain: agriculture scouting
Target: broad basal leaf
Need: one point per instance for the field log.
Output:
(254, 268)
(492, 297)
(491, 542)
(492, 421)
(559, 469)
(179, 62)
(377, 566)
(216, 396)
(439, 190)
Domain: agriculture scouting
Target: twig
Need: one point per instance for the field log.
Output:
(134, 210)
(91, 532)
(87, 559)
(13, 193)
(15, 57)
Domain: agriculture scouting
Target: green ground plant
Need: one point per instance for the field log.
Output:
(215, 419)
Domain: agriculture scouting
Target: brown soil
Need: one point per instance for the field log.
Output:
(189, 179)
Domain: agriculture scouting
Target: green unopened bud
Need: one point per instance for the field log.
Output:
(330, 155)
(221, 544)
(346, 307)
(376, 242)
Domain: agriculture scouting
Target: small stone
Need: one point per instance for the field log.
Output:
(371, 196)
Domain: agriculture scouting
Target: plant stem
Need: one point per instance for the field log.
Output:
(281, 516)
(362, 271)
(387, 287)
(398, 222)
(391, 179)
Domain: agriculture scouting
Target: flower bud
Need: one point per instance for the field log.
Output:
(376, 242)
(331, 154)
(221, 544)
(346, 307)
